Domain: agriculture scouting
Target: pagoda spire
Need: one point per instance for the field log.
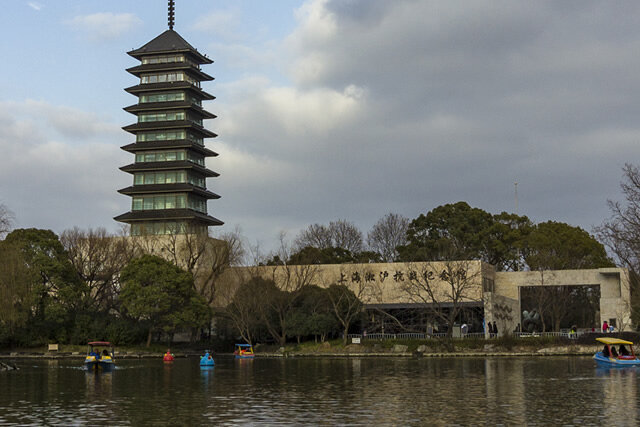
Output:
(172, 7)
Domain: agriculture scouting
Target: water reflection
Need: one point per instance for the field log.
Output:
(397, 391)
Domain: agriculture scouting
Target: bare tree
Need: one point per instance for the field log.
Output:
(621, 233)
(315, 235)
(339, 234)
(6, 220)
(347, 301)
(98, 257)
(346, 235)
(387, 234)
(290, 279)
(444, 287)
(206, 258)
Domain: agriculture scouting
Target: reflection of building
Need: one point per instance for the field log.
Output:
(483, 293)
(169, 193)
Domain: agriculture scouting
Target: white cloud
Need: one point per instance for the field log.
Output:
(52, 179)
(35, 6)
(105, 25)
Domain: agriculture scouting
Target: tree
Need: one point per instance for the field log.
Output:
(98, 258)
(504, 242)
(558, 246)
(346, 306)
(17, 290)
(387, 235)
(313, 314)
(339, 234)
(443, 288)
(161, 294)
(621, 233)
(6, 220)
(61, 292)
(245, 308)
(453, 231)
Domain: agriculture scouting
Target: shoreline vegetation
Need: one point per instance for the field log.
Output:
(438, 348)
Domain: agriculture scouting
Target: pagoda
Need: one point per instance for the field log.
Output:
(169, 193)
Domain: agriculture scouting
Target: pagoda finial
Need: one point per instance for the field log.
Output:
(172, 6)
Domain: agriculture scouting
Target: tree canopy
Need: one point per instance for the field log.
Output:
(161, 294)
(557, 246)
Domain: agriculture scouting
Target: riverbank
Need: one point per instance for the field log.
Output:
(502, 347)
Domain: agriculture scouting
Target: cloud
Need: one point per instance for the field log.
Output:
(35, 6)
(106, 25)
(52, 179)
(403, 106)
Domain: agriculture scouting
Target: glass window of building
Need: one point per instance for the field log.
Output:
(164, 116)
(162, 97)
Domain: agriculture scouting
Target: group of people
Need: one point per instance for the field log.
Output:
(606, 327)
(614, 353)
(96, 354)
(492, 329)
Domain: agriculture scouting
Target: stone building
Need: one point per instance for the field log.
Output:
(405, 290)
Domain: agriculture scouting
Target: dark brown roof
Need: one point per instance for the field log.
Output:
(168, 42)
(162, 145)
(168, 188)
(168, 214)
(175, 165)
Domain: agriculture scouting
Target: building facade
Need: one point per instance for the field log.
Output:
(169, 193)
(409, 291)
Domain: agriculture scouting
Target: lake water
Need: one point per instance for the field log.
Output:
(368, 391)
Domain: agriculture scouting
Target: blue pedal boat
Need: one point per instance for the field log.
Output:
(621, 357)
(100, 356)
(206, 360)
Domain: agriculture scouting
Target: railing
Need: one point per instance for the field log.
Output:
(422, 336)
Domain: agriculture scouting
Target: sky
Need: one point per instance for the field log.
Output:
(331, 109)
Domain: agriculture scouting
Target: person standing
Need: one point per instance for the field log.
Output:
(490, 329)
(495, 329)
(605, 327)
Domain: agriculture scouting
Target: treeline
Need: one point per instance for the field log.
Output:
(451, 232)
(85, 285)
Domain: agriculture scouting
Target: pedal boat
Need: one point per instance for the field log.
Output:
(610, 356)
(244, 351)
(206, 360)
(100, 356)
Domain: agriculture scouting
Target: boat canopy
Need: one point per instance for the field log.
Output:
(613, 341)
(243, 345)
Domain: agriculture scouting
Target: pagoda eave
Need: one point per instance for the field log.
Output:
(167, 214)
(162, 166)
(167, 188)
(169, 105)
(174, 66)
(166, 86)
(169, 125)
(177, 144)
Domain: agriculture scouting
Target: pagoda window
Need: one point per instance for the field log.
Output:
(158, 227)
(159, 202)
(197, 180)
(176, 76)
(197, 204)
(165, 116)
(197, 139)
(150, 178)
(194, 119)
(163, 59)
(163, 97)
(195, 158)
(160, 156)
(161, 135)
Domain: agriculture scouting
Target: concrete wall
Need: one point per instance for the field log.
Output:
(404, 283)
